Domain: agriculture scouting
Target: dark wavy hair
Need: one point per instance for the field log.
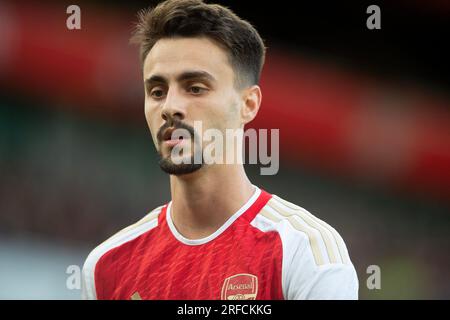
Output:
(194, 18)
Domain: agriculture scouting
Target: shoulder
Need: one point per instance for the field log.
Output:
(298, 227)
(147, 223)
(314, 253)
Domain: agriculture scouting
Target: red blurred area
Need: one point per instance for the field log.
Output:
(330, 120)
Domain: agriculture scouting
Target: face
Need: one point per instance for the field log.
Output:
(187, 80)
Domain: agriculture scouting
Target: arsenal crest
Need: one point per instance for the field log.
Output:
(242, 286)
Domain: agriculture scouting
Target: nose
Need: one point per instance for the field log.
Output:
(173, 107)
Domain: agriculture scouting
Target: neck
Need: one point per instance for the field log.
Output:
(204, 200)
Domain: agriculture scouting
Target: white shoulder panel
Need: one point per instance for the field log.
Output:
(316, 264)
(147, 223)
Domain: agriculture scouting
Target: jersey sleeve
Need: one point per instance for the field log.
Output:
(88, 283)
(88, 274)
(329, 282)
(303, 279)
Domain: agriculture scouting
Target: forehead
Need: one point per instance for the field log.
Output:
(172, 56)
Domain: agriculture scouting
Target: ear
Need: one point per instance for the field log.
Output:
(251, 97)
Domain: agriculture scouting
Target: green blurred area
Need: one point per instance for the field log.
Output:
(76, 180)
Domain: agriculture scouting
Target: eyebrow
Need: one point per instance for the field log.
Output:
(187, 75)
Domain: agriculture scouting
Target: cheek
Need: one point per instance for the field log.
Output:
(148, 116)
(154, 121)
(213, 115)
(223, 117)
(231, 113)
(225, 114)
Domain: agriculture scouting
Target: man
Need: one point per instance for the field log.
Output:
(220, 237)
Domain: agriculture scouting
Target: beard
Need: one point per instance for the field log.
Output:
(166, 163)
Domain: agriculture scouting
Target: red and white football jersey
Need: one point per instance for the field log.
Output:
(268, 249)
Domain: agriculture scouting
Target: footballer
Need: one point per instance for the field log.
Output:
(220, 236)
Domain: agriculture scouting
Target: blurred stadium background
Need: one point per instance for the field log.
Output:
(364, 119)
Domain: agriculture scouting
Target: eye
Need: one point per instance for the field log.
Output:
(157, 93)
(196, 90)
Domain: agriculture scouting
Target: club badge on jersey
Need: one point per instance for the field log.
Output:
(242, 286)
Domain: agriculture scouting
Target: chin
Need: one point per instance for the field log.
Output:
(168, 166)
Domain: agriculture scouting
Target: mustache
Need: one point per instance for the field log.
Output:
(175, 124)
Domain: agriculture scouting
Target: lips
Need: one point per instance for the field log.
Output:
(173, 142)
(169, 140)
(167, 135)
